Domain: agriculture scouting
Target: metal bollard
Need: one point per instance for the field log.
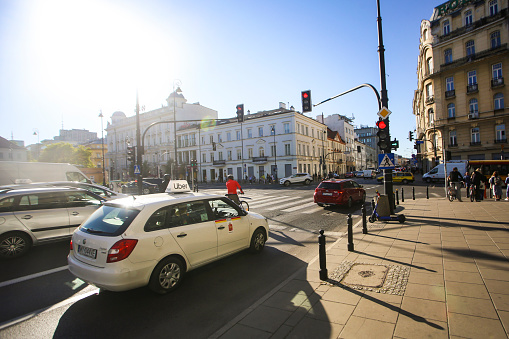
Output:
(322, 256)
(397, 197)
(350, 232)
(364, 224)
(427, 192)
(413, 193)
(402, 195)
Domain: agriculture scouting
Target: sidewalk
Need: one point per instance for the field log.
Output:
(444, 273)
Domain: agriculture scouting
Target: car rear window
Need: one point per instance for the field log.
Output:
(109, 221)
(330, 185)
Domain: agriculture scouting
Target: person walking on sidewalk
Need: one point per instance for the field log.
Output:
(496, 185)
(455, 180)
(466, 180)
(507, 189)
(231, 186)
(477, 179)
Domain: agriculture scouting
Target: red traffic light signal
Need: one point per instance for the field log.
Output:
(306, 101)
(381, 124)
(240, 113)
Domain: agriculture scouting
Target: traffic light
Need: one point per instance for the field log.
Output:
(410, 135)
(306, 101)
(383, 136)
(130, 153)
(395, 144)
(240, 113)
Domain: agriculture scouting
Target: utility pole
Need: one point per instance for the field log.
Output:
(388, 187)
(139, 151)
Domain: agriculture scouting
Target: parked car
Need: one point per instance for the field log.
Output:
(349, 174)
(400, 177)
(299, 178)
(132, 188)
(157, 181)
(339, 192)
(102, 191)
(154, 240)
(359, 174)
(34, 216)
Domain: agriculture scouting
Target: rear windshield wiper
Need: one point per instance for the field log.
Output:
(91, 230)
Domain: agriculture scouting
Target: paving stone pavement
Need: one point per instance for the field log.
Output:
(444, 273)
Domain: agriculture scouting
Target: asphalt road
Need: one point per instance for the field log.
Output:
(41, 298)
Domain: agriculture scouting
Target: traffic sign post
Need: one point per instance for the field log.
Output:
(386, 161)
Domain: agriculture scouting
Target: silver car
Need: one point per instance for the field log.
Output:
(34, 216)
(102, 191)
(299, 178)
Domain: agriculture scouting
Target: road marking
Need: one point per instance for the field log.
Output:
(296, 208)
(275, 201)
(32, 276)
(285, 205)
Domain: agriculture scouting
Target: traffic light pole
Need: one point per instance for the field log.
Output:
(388, 187)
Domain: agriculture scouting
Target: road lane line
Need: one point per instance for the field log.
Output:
(278, 207)
(296, 208)
(32, 276)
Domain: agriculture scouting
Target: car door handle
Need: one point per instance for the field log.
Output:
(181, 235)
(26, 217)
(75, 213)
(220, 228)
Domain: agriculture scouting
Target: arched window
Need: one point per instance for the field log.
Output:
(451, 110)
(429, 66)
(425, 35)
(498, 101)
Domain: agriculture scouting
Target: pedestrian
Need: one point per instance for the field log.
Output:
(478, 180)
(164, 184)
(507, 189)
(496, 185)
(466, 180)
(455, 180)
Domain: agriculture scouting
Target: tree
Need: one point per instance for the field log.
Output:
(64, 152)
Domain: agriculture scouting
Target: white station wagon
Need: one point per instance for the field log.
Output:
(155, 239)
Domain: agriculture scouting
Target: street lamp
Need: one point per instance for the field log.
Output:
(273, 131)
(176, 83)
(36, 132)
(102, 146)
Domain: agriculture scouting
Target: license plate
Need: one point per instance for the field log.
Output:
(87, 252)
(327, 193)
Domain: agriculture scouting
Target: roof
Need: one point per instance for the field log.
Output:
(4, 143)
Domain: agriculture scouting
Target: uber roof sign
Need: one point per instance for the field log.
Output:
(177, 186)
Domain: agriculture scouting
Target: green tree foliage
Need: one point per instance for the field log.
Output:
(64, 152)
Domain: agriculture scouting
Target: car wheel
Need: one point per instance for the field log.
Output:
(14, 244)
(167, 275)
(350, 202)
(428, 180)
(146, 191)
(307, 182)
(287, 183)
(319, 204)
(405, 181)
(258, 241)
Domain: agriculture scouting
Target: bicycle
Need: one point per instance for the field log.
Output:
(472, 192)
(451, 192)
(243, 204)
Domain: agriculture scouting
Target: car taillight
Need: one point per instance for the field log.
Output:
(71, 244)
(121, 250)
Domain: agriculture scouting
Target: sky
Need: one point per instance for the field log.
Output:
(63, 62)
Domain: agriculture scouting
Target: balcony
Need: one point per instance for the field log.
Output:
(430, 99)
(472, 88)
(259, 160)
(219, 162)
(453, 145)
(473, 115)
(450, 94)
(482, 54)
(475, 143)
(497, 82)
(500, 141)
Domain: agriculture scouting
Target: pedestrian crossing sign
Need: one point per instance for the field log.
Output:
(137, 169)
(386, 161)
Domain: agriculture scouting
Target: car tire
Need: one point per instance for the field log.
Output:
(287, 183)
(428, 180)
(146, 191)
(14, 244)
(319, 204)
(349, 203)
(258, 241)
(307, 182)
(167, 275)
(404, 181)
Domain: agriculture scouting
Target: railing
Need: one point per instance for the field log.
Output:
(473, 115)
(501, 141)
(475, 143)
(472, 88)
(450, 94)
(430, 99)
(497, 82)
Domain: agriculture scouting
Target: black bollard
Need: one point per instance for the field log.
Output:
(413, 193)
(350, 232)
(402, 195)
(322, 256)
(397, 198)
(427, 192)
(364, 224)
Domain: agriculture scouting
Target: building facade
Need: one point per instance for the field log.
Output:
(343, 125)
(12, 150)
(459, 103)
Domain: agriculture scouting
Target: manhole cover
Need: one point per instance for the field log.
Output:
(366, 275)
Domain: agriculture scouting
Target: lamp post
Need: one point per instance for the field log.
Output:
(176, 83)
(102, 147)
(36, 132)
(273, 130)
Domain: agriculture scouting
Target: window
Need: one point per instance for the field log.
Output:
(500, 132)
(187, 213)
(431, 116)
(249, 153)
(204, 158)
(229, 155)
(228, 136)
(448, 55)
(468, 18)
(429, 91)
(249, 133)
(497, 71)
(298, 150)
(239, 154)
(238, 135)
(451, 111)
(475, 136)
(449, 84)
(447, 27)
(425, 34)
(472, 78)
(219, 138)
(220, 155)
(498, 101)
(261, 152)
(452, 138)
(272, 150)
(473, 108)
(493, 7)
(260, 131)
(429, 66)
(286, 127)
(223, 209)
(495, 39)
(470, 46)
(287, 149)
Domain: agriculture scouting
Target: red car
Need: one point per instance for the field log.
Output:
(349, 174)
(339, 192)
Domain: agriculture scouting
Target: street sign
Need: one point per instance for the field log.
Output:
(418, 142)
(137, 169)
(386, 161)
(384, 113)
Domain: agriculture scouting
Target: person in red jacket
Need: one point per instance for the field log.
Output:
(231, 186)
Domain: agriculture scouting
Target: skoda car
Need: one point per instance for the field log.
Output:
(339, 192)
(402, 177)
(153, 240)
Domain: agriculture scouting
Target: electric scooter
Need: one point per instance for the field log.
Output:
(375, 216)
